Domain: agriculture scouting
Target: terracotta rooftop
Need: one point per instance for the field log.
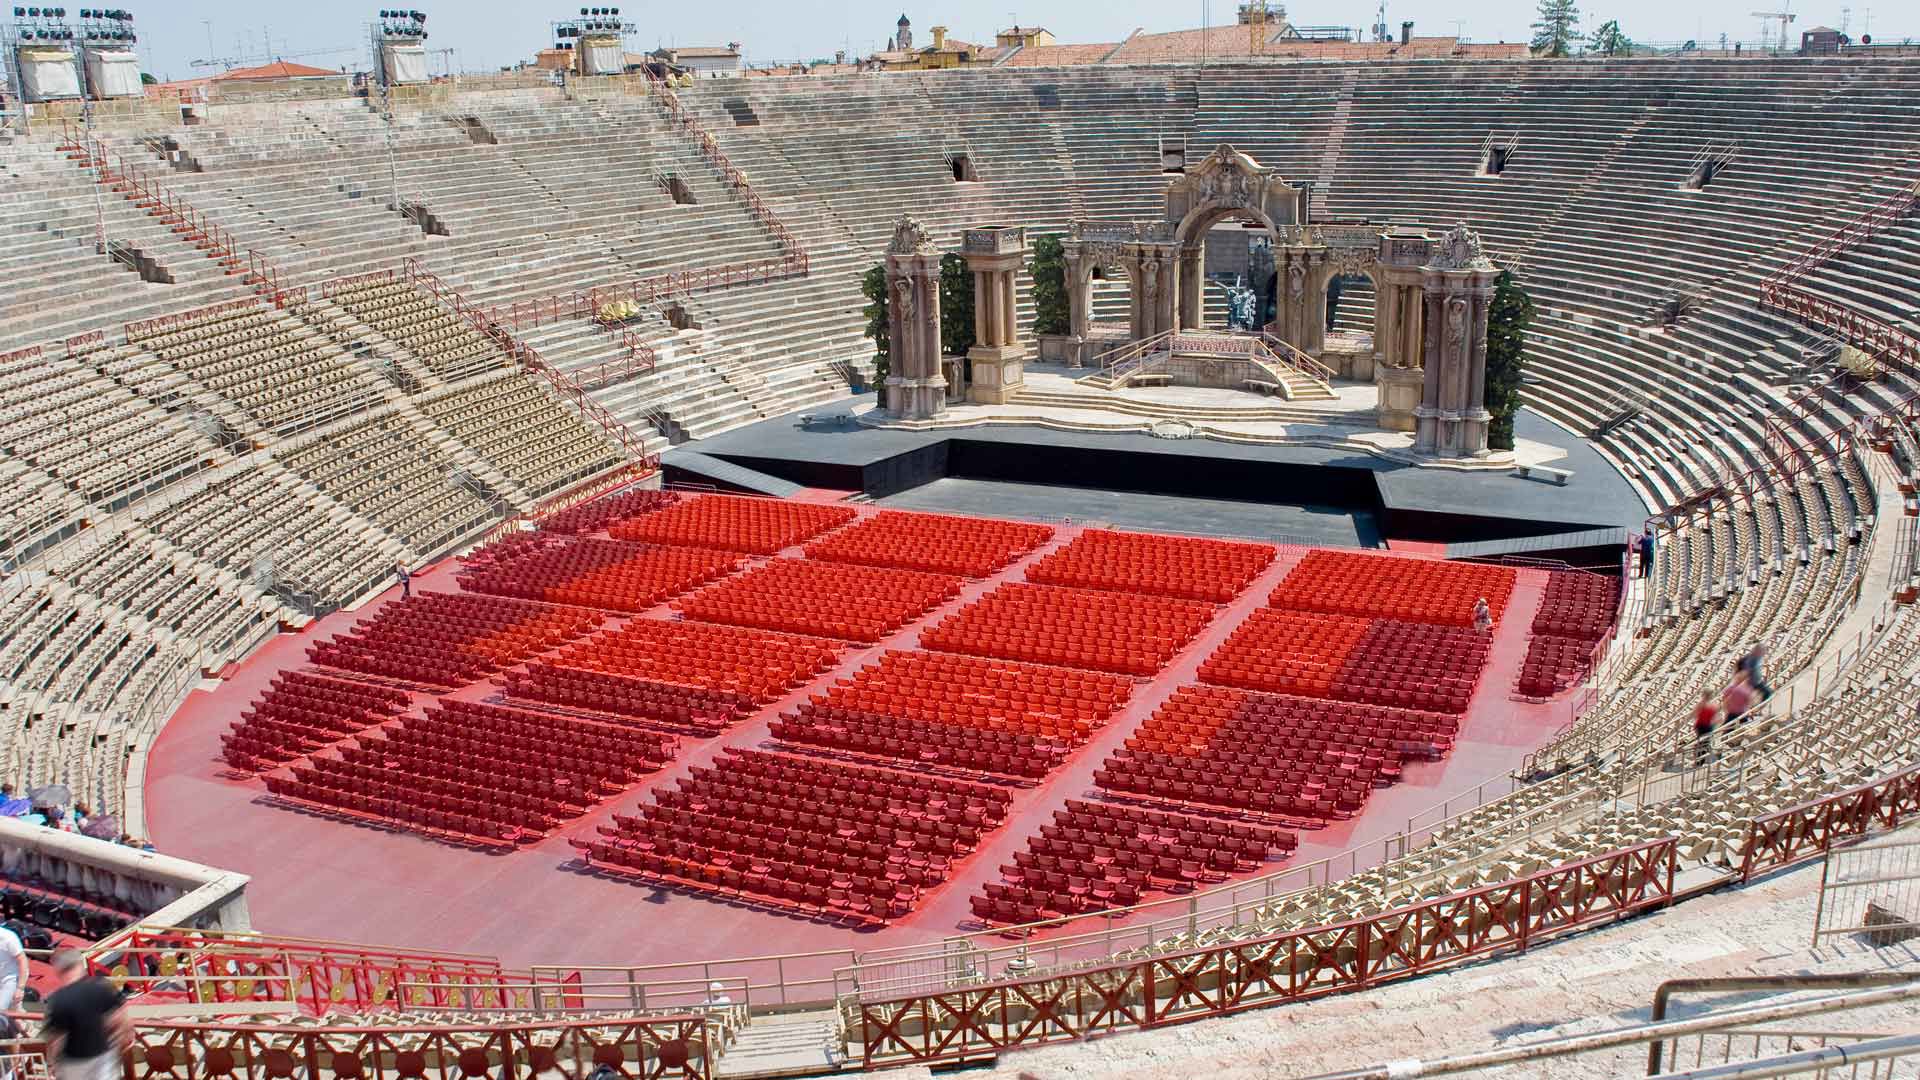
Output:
(1230, 42)
(1059, 55)
(279, 69)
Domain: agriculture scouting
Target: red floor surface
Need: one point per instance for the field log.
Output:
(319, 877)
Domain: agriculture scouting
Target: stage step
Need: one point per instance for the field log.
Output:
(1111, 402)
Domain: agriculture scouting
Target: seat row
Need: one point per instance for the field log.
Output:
(844, 601)
(610, 752)
(939, 543)
(754, 666)
(682, 708)
(301, 712)
(459, 812)
(1189, 567)
(448, 640)
(733, 523)
(1002, 753)
(613, 574)
(996, 695)
(1128, 633)
(1393, 587)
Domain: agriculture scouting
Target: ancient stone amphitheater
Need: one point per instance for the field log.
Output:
(275, 384)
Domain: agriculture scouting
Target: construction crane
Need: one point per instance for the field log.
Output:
(446, 60)
(1785, 16)
(228, 63)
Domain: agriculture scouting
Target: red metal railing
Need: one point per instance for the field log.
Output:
(162, 202)
(162, 324)
(188, 966)
(1868, 224)
(636, 1048)
(80, 343)
(528, 357)
(1811, 828)
(1887, 344)
(28, 353)
(709, 147)
(973, 1021)
(333, 288)
(586, 303)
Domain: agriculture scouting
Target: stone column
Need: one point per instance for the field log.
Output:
(916, 388)
(1193, 288)
(996, 254)
(1457, 285)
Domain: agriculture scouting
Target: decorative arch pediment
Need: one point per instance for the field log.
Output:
(1228, 181)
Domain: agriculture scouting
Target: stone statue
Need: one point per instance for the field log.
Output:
(910, 238)
(1241, 303)
(1296, 281)
(903, 298)
(1460, 250)
(1456, 321)
(1151, 271)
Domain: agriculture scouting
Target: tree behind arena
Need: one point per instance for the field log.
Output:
(1507, 320)
(1609, 41)
(956, 305)
(1049, 272)
(874, 285)
(1554, 30)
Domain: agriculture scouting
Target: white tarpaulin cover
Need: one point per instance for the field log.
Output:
(601, 55)
(47, 74)
(113, 73)
(405, 64)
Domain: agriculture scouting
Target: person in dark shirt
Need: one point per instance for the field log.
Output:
(87, 1029)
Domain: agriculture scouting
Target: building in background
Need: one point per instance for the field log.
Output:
(704, 61)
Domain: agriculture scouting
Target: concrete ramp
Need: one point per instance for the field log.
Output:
(684, 466)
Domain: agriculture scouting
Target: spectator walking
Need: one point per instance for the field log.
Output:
(1751, 665)
(405, 578)
(1736, 699)
(87, 1029)
(13, 969)
(1704, 715)
(1646, 552)
(1482, 616)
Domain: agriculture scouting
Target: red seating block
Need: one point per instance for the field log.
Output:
(1096, 856)
(444, 639)
(759, 665)
(1576, 612)
(608, 510)
(588, 571)
(734, 523)
(991, 695)
(302, 711)
(942, 543)
(1393, 587)
(1183, 566)
(836, 600)
(1382, 661)
(822, 838)
(1084, 628)
(1298, 757)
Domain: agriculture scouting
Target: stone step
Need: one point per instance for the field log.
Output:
(796, 1044)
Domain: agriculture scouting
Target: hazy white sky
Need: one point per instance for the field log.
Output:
(491, 33)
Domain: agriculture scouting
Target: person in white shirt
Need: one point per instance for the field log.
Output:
(13, 970)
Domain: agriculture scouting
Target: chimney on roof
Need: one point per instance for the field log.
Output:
(1406, 32)
(939, 38)
(839, 56)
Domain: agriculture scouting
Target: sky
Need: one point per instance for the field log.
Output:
(488, 34)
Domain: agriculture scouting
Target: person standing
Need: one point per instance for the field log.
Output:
(1482, 616)
(87, 1028)
(405, 578)
(1704, 714)
(13, 969)
(1646, 553)
(1751, 667)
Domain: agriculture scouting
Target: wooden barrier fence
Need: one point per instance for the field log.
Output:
(958, 1023)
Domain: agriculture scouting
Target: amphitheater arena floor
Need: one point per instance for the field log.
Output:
(319, 877)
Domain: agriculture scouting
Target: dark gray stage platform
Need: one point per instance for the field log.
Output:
(1279, 491)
